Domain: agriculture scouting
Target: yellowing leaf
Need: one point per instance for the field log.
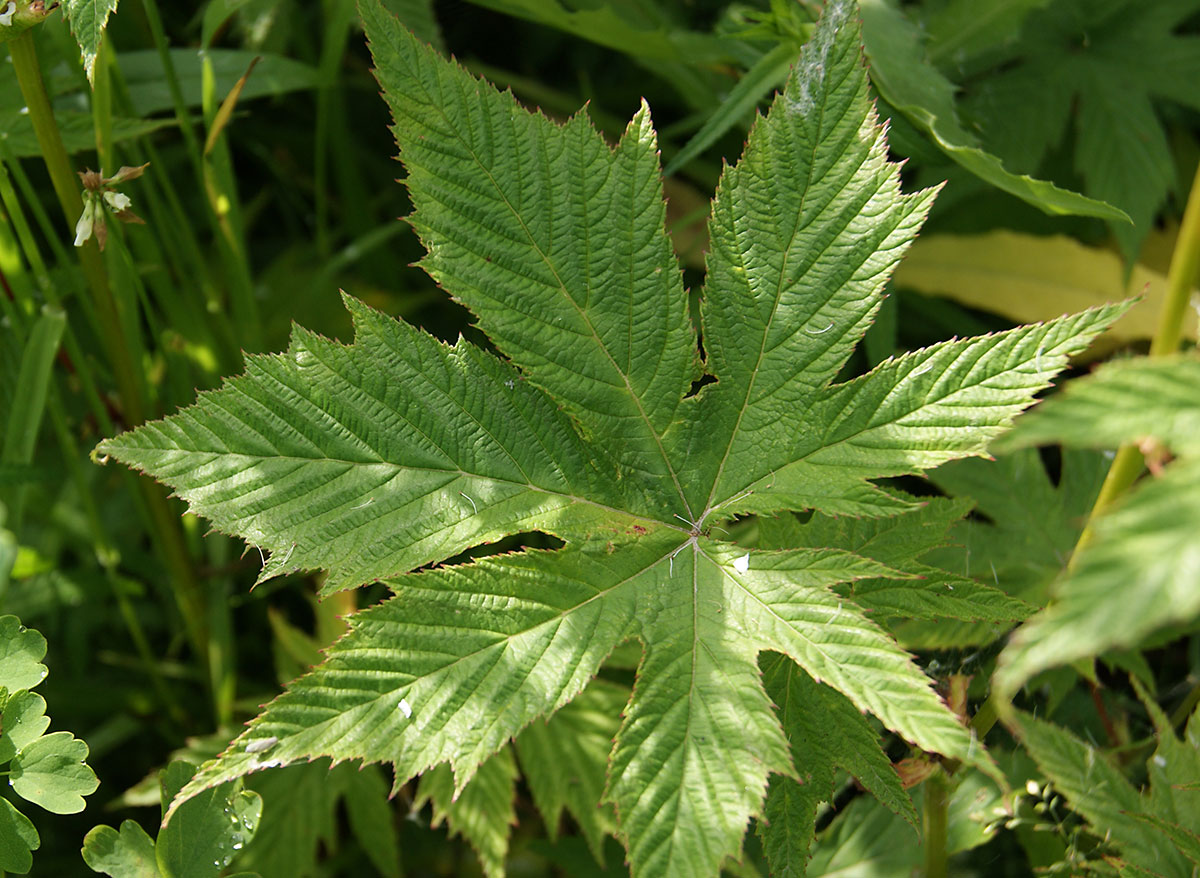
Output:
(1027, 277)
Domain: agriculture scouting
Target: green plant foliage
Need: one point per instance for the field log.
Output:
(917, 89)
(825, 732)
(1152, 830)
(396, 452)
(1019, 541)
(1138, 573)
(299, 817)
(201, 839)
(962, 29)
(565, 759)
(868, 839)
(901, 542)
(1102, 65)
(48, 770)
(482, 811)
(88, 19)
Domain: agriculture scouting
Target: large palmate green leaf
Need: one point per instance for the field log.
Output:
(396, 452)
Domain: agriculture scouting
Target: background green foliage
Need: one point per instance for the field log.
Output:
(255, 216)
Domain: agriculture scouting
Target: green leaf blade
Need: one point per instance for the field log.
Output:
(825, 732)
(51, 772)
(806, 229)
(1121, 401)
(552, 238)
(18, 839)
(1136, 576)
(21, 652)
(125, 854)
(483, 811)
(88, 18)
(917, 89)
(332, 463)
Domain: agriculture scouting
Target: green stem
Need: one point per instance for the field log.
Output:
(1185, 264)
(54, 154)
(1128, 463)
(165, 528)
(934, 822)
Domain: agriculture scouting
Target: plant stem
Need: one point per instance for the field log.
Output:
(934, 822)
(54, 154)
(1185, 264)
(1127, 465)
(164, 524)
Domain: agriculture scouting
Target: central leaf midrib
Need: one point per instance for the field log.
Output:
(454, 473)
(562, 287)
(779, 287)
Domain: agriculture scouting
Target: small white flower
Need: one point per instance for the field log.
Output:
(118, 201)
(87, 220)
(7, 15)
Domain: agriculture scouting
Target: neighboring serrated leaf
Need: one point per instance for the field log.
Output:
(1185, 840)
(1128, 55)
(1174, 771)
(372, 819)
(1097, 791)
(18, 839)
(50, 772)
(1023, 538)
(299, 814)
(824, 732)
(917, 89)
(23, 722)
(928, 592)
(565, 759)
(1137, 575)
(127, 854)
(962, 29)
(21, 652)
(483, 812)
(203, 834)
(1121, 401)
(892, 541)
(88, 19)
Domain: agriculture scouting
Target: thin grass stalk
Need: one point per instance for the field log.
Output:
(165, 531)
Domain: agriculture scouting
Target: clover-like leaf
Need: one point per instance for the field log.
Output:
(125, 854)
(397, 452)
(24, 721)
(21, 652)
(51, 772)
(18, 839)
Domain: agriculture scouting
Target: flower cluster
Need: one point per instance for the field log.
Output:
(99, 198)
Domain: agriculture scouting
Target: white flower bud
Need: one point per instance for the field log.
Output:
(118, 201)
(87, 220)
